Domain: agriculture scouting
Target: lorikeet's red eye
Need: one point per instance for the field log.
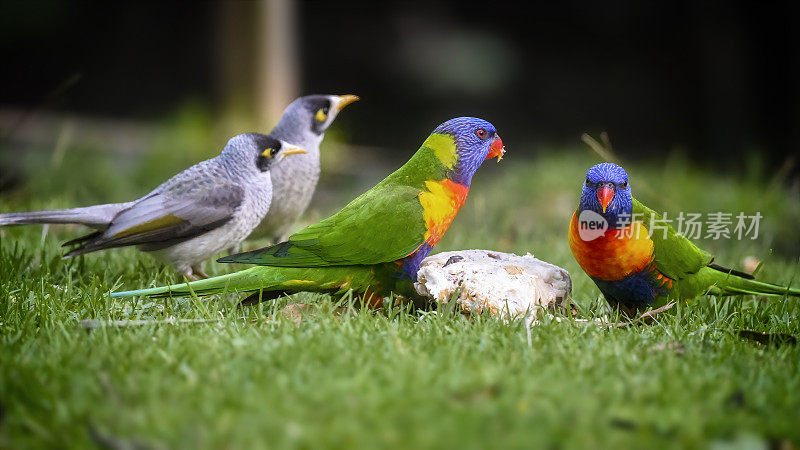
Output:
(481, 133)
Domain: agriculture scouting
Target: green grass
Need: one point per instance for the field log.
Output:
(349, 378)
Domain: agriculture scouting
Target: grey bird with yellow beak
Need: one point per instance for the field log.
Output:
(194, 215)
(294, 180)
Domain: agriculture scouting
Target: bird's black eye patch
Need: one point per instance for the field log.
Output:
(320, 116)
(265, 159)
(481, 133)
(624, 185)
(589, 183)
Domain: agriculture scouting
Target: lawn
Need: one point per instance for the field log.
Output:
(204, 373)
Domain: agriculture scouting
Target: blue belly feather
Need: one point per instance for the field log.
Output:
(636, 292)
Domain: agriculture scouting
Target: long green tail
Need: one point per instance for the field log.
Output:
(275, 281)
(733, 284)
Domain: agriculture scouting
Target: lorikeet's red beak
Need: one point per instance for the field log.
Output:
(496, 149)
(605, 195)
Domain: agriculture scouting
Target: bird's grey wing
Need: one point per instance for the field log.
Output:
(172, 214)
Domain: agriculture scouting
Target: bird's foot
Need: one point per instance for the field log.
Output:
(198, 271)
(188, 274)
(647, 318)
(372, 300)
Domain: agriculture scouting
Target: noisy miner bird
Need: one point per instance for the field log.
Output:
(294, 180)
(636, 269)
(375, 244)
(208, 207)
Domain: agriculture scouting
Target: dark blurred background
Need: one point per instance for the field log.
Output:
(719, 80)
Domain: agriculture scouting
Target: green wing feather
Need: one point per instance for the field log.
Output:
(673, 254)
(383, 224)
(272, 282)
(691, 267)
(378, 227)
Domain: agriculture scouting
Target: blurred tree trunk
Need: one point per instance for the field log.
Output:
(278, 60)
(258, 63)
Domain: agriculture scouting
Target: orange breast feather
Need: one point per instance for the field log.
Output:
(441, 201)
(614, 255)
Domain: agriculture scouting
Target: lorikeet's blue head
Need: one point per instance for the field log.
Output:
(606, 191)
(476, 141)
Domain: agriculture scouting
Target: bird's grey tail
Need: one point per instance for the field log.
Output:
(97, 216)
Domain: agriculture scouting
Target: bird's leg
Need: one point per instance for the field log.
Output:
(198, 270)
(372, 299)
(187, 272)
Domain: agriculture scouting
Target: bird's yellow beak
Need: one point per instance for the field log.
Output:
(288, 149)
(344, 100)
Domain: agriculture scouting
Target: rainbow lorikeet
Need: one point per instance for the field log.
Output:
(636, 270)
(375, 244)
